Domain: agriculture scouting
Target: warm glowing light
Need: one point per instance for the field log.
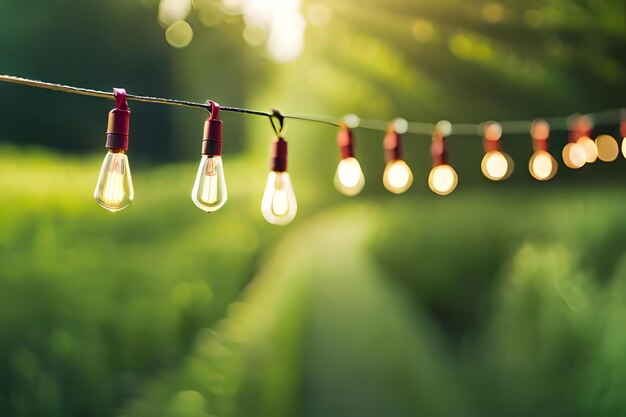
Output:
(574, 155)
(496, 165)
(624, 147)
(352, 121)
(400, 125)
(542, 166)
(279, 200)
(608, 149)
(171, 11)
(179, 34)
(209, 190)
(590, 148)
(422, 30)
(114, 190)
(349, 178)
(397, 177)
(284, 23)
(442, 179)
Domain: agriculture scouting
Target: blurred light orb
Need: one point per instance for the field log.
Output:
(624, 147)
(542, 166)
(493, 12)
(444, 127)
(352, 120)
(492, 130)
(533, 18)
(318, 14)
(590, 148)
(210, 15)
(400, 125)
(254, 35)
(283, 22)
(574, 155)
(179, 34)
(496, 165)
(608, 149)
(442, 179)
(422, 30)
(349, 179)
(540, 129)
(172, 11)
(397, 177)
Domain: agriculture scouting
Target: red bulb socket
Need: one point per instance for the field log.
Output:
(345, 141)
(118, 128)
(439, 150)
(212, 137)
(278, 162)
(393, 145)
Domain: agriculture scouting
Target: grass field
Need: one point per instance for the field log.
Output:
(489, 302)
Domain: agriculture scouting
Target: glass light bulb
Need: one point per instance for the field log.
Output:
(397, 177)
(542, 166)
(624, 147)
(495, 165)
(114, 190)
(574, 155)
(442, 179)
(591, 150)
(349, 179)
(209, 191)
(279, 201)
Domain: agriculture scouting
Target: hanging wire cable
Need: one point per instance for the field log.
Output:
(420, 128)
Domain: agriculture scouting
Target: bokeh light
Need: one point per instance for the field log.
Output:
(422, 30)
(179, 34)
(574, 155)
(496, 166)
(591, 151)
(397, 177)
(542, 166)
(608, 149)
(443, 179)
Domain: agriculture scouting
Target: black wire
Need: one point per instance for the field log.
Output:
(510, 127)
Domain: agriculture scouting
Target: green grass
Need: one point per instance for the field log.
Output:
(487, 302)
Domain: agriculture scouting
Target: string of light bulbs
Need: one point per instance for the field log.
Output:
(114, 188)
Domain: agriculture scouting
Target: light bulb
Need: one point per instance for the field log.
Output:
(209, 191)
(496, 165)
(442, 179)
(279, 201)
(574, 155)
(114, 190)
(624, 147)
(542, 166)
(591, 151)
(397, 177)
(349, 178)
(608, 149)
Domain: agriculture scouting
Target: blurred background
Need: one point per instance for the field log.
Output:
(501, 298)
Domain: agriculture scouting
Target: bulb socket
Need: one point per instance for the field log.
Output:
(439, 150)
(345, 141)
(212, 138)
(393, 145)
(118, 130)
(118, 127)
(278, 161)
